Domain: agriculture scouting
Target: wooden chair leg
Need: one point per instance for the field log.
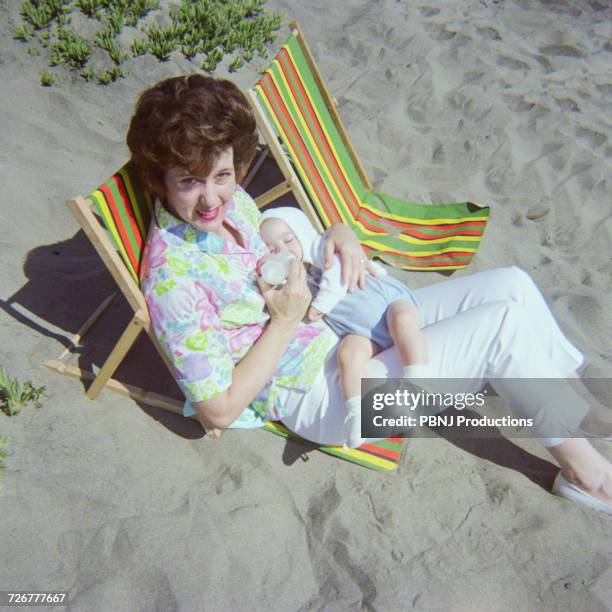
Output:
(273, 194)
(259, 160)
(126, 341)
(97, 313)
(136, 393)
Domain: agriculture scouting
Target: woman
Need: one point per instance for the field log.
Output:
(192, 139)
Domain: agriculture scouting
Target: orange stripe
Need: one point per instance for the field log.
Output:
(348, 190)
(132, 217)
(326, 200)
(115, 214)
(288, 65)
(417, 259)
(382, 452)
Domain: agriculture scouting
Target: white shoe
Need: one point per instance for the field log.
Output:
(352, 431)
(563, 488)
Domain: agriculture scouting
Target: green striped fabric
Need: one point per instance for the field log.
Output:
(406, 234)
(382, 455)
(125, 209)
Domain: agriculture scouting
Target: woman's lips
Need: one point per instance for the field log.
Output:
(209, 215)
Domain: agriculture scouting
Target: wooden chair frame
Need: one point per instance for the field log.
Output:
(81, 209)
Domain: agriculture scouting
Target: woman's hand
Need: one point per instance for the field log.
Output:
(339, 238)
(288, 304)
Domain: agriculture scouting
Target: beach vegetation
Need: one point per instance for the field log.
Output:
(105, 39)
(69, 48)
(140, 46)
(88, 73)
(209, 29)
(14, 395)
(23, 32)
(115, 21)
(46, 78)
(91, 8)
(109, 75)
(161, 41)
(3, 451)
(41, 13)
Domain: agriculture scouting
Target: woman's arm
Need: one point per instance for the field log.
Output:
(287, 307)
(341, 239)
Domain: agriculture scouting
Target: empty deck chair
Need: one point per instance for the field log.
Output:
(300, 124)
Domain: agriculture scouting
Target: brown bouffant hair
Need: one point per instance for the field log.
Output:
(189, 121)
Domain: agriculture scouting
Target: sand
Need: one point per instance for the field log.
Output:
(504, 103)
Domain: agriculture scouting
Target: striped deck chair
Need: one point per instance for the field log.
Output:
(300, 124)
(118, 233)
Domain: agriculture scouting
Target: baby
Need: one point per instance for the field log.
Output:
(368, 321)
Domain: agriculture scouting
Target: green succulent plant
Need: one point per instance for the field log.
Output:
(109, 75)
(14, 395)
(210, 28)
(70, 48)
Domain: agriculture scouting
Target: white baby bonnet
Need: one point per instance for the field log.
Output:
(300, 225)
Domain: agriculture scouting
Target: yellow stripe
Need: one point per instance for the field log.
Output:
(391, 216)
(428, 268)
(396, 260)
(304, 130)
(287, 142)
(110, 225)
(438, 220)
(133, 200)
(386, 248)
(330, 140)
(356, 453)
(334, 187)
(299, 167)
(368, 458)
(378, 213)
(306, 179)
(422, 241)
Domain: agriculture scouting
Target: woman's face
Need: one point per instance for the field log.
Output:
(202, 200)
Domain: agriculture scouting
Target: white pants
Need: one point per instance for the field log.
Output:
(493, 324)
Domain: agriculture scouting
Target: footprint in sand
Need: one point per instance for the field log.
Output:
(229, 477)
(439, 32)
(594, 139)
(489, 33)
(562, 51)
(544, 62)
(585, 312)
(511, 63)
(567, 104)
(499, 178)
(428, 11)
(437, 157)
(322, 508)
(517, 103)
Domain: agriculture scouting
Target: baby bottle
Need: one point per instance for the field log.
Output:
(276, 268)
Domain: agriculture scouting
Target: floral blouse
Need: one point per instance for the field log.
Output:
(207, 311)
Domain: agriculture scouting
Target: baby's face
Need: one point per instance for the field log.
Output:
(279, 238)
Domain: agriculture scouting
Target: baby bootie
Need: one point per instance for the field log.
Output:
(420, 375)
(352, 423)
